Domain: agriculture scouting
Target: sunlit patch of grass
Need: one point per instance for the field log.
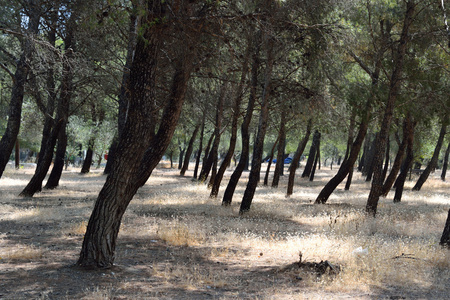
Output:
(98, 293)
(78, 228)
(21, 253)
(178, 234)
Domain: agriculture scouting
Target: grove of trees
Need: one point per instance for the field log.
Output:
(358, 85)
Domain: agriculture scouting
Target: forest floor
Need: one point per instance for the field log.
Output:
(177, 243)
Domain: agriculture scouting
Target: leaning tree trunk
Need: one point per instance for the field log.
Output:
(234, 126)
(445, 239)
(58, 162)
(370, 159)
(398, 158)
(434, 159)
(206, 156)
(280, 151)
(312, 155)
(400, 182)
(351, 134)
(386, 164)
(269, 162)
(189, 149)
(212, 157)
(445, 165)
(317, 156)
(262, 127)
(394, 89)
(245, 133)
(17, 92)
(296, 159)
(62, 115)
(140, 149)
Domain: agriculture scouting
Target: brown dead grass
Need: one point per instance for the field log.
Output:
(177, 243)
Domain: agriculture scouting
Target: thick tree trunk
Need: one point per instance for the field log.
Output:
(189, 149)
(58, 162)
(245, 133)
(111, 155)
(312, 155)
(434, 159)
(445, 165)
(349, 179)
(445, 239)
(262, 127)
(398, 158)
(400, 182)
(279, 166)
(17, 92)
(296, 159)
(86, 167)
(394, 89)
(139, 149)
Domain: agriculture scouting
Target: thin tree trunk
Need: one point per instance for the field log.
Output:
(269, 163)
(394, 89)
(200, 147)
(386, 164)
(189, 149)
(17, 154)
(400, 182)
(279, 166)
(58, 162)
(398, 158)
(17, 92)
(245, 133)
(234, 125)
(445, 239)
(370, 159)
(434, 159)
(445, 165)
(262, 127)
(351, 134)
(317, 155)
(296, 159)
(86, 167)
(311, 156)
(206, 156)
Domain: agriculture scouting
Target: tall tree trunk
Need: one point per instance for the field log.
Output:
(351, 134)
(124, 94)
(394, 89)
(400, 182)
(445, 238)
(140, 149)
(206, 156)
(434, 159)
(398, 158)
(62, 113)
(317, 155)
(245, 133)
(312, 155)
(296, 159)
(86, 167)
(370, 159)
(279, 166)
(189, 149)
(200, 147)
(17, 92)
(262, 127)
(386, 164)
(212, 157)
(17, 154)
(445, 165)
(269, 162)
(234, 125)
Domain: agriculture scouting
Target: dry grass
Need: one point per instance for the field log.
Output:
(175, 242)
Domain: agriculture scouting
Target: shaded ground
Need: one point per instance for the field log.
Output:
(177, 243)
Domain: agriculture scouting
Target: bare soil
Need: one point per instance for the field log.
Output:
(177, 243)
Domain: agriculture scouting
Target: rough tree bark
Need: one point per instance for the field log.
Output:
(18, 85)
(434, 159)
(296, 159)
(140, 148)
(394, 89)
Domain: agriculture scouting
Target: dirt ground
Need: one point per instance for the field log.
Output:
(177, 243)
